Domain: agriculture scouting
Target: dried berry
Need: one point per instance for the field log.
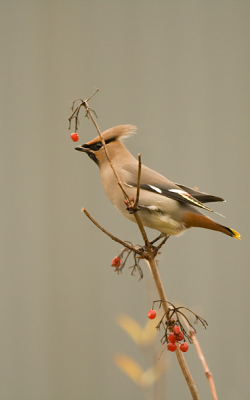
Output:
(179, 336)
(116, 262)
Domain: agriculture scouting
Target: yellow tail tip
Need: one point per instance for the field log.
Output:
(235, 234)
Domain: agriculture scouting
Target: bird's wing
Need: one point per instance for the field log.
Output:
(153, 182)
(201, 196)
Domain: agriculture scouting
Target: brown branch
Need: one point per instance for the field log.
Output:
(208, 374)
(187, 375)
(143, 233)
(90, 97)
(125, 244)
(204, 363)
(138, 182)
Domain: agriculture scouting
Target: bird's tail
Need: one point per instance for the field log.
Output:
(202, 221)
(230, 232)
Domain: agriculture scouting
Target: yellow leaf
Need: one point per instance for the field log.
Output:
(130, 326)
(148, 333)
(131, 368)
(134, 371)
(152, 374)
(141, 336)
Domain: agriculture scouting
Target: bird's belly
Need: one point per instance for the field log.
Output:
(157, 220)
(162, 222)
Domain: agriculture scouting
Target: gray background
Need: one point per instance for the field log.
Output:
(179, 70)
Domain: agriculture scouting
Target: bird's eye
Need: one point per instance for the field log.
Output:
(96, 146)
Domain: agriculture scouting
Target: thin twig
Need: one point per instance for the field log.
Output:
(208, 374)
(90, 97)
(143, 233)
(138, 182)
(125, 244)
(205, 366)
(137, 218)
(186, 374)
(85, 104)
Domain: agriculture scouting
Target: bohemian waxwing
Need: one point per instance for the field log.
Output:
(163, 205)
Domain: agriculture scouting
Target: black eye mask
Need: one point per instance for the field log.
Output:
(97, 146)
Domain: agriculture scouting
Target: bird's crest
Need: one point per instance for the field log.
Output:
(117, 132)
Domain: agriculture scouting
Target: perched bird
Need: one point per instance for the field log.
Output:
(163, 205)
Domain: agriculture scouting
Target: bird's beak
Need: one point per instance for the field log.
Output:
(82, 148)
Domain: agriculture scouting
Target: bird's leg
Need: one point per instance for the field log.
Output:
(156, 239)
(151, 244)
(156, 249)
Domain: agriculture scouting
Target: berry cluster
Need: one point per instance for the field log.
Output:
(176, 336)
(119, 262)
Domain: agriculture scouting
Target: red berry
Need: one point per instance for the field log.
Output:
(184, 347)
(116, 262)
(176, 329)
(171, 346)
(172, 337)
(151, 314)
(74, 136)
(179, 336)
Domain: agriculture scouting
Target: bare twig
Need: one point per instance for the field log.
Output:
(193, 336)
(90, 97)
(77, 110)
(89, 113)
(204, 363)
(143, 233)
(186, 374)
(125, 244)
(138, 182)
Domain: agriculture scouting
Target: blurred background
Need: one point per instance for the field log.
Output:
(179, 70)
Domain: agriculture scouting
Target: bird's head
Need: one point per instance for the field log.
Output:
(112, 138)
